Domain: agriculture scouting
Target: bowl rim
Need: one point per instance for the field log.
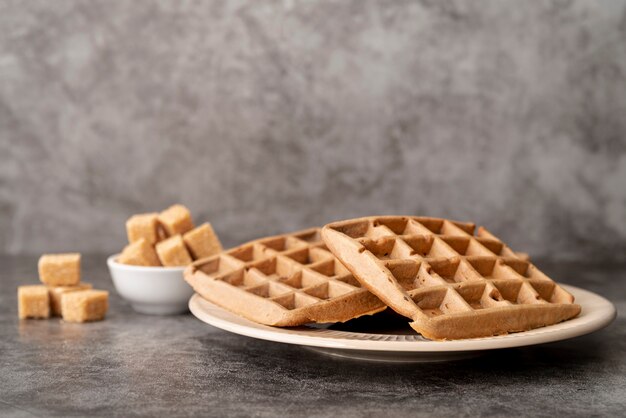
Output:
(113, 263)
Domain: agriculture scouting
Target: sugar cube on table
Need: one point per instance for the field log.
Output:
(172, 252)
(143, 226)
(202, 241)
(84, 305)
(59, 269)
(57, 292)
(33, 302)
(139, 253)
(176, 220)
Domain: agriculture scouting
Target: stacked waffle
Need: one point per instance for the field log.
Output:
(285, 280)
(451, 280)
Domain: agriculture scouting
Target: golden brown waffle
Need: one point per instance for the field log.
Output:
(451, 283)
(285, 280)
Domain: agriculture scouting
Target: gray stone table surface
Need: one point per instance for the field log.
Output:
(136, 365)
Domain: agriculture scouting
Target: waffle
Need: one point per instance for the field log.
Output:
(284, 280)
(451, 283)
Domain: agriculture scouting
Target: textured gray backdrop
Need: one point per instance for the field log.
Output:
(264, 117)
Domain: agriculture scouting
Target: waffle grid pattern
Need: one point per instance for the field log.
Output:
(445, 268)
(284, 280)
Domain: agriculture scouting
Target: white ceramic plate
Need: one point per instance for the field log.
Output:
(403, 345)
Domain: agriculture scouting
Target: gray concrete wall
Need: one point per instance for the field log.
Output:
(264, 117)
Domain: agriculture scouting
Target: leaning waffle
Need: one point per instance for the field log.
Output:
(451, 283)
(285, 280)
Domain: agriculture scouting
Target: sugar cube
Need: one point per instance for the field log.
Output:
(176, 220)
(139, 253)
(143, 226)
(56, 293)
(172, 252)
(59, 269)
(202, 241)
(33, 302)
(85, 305)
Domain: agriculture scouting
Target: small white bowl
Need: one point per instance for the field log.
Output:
(151, 290)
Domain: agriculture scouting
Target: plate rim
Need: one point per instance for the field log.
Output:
(602, 313)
